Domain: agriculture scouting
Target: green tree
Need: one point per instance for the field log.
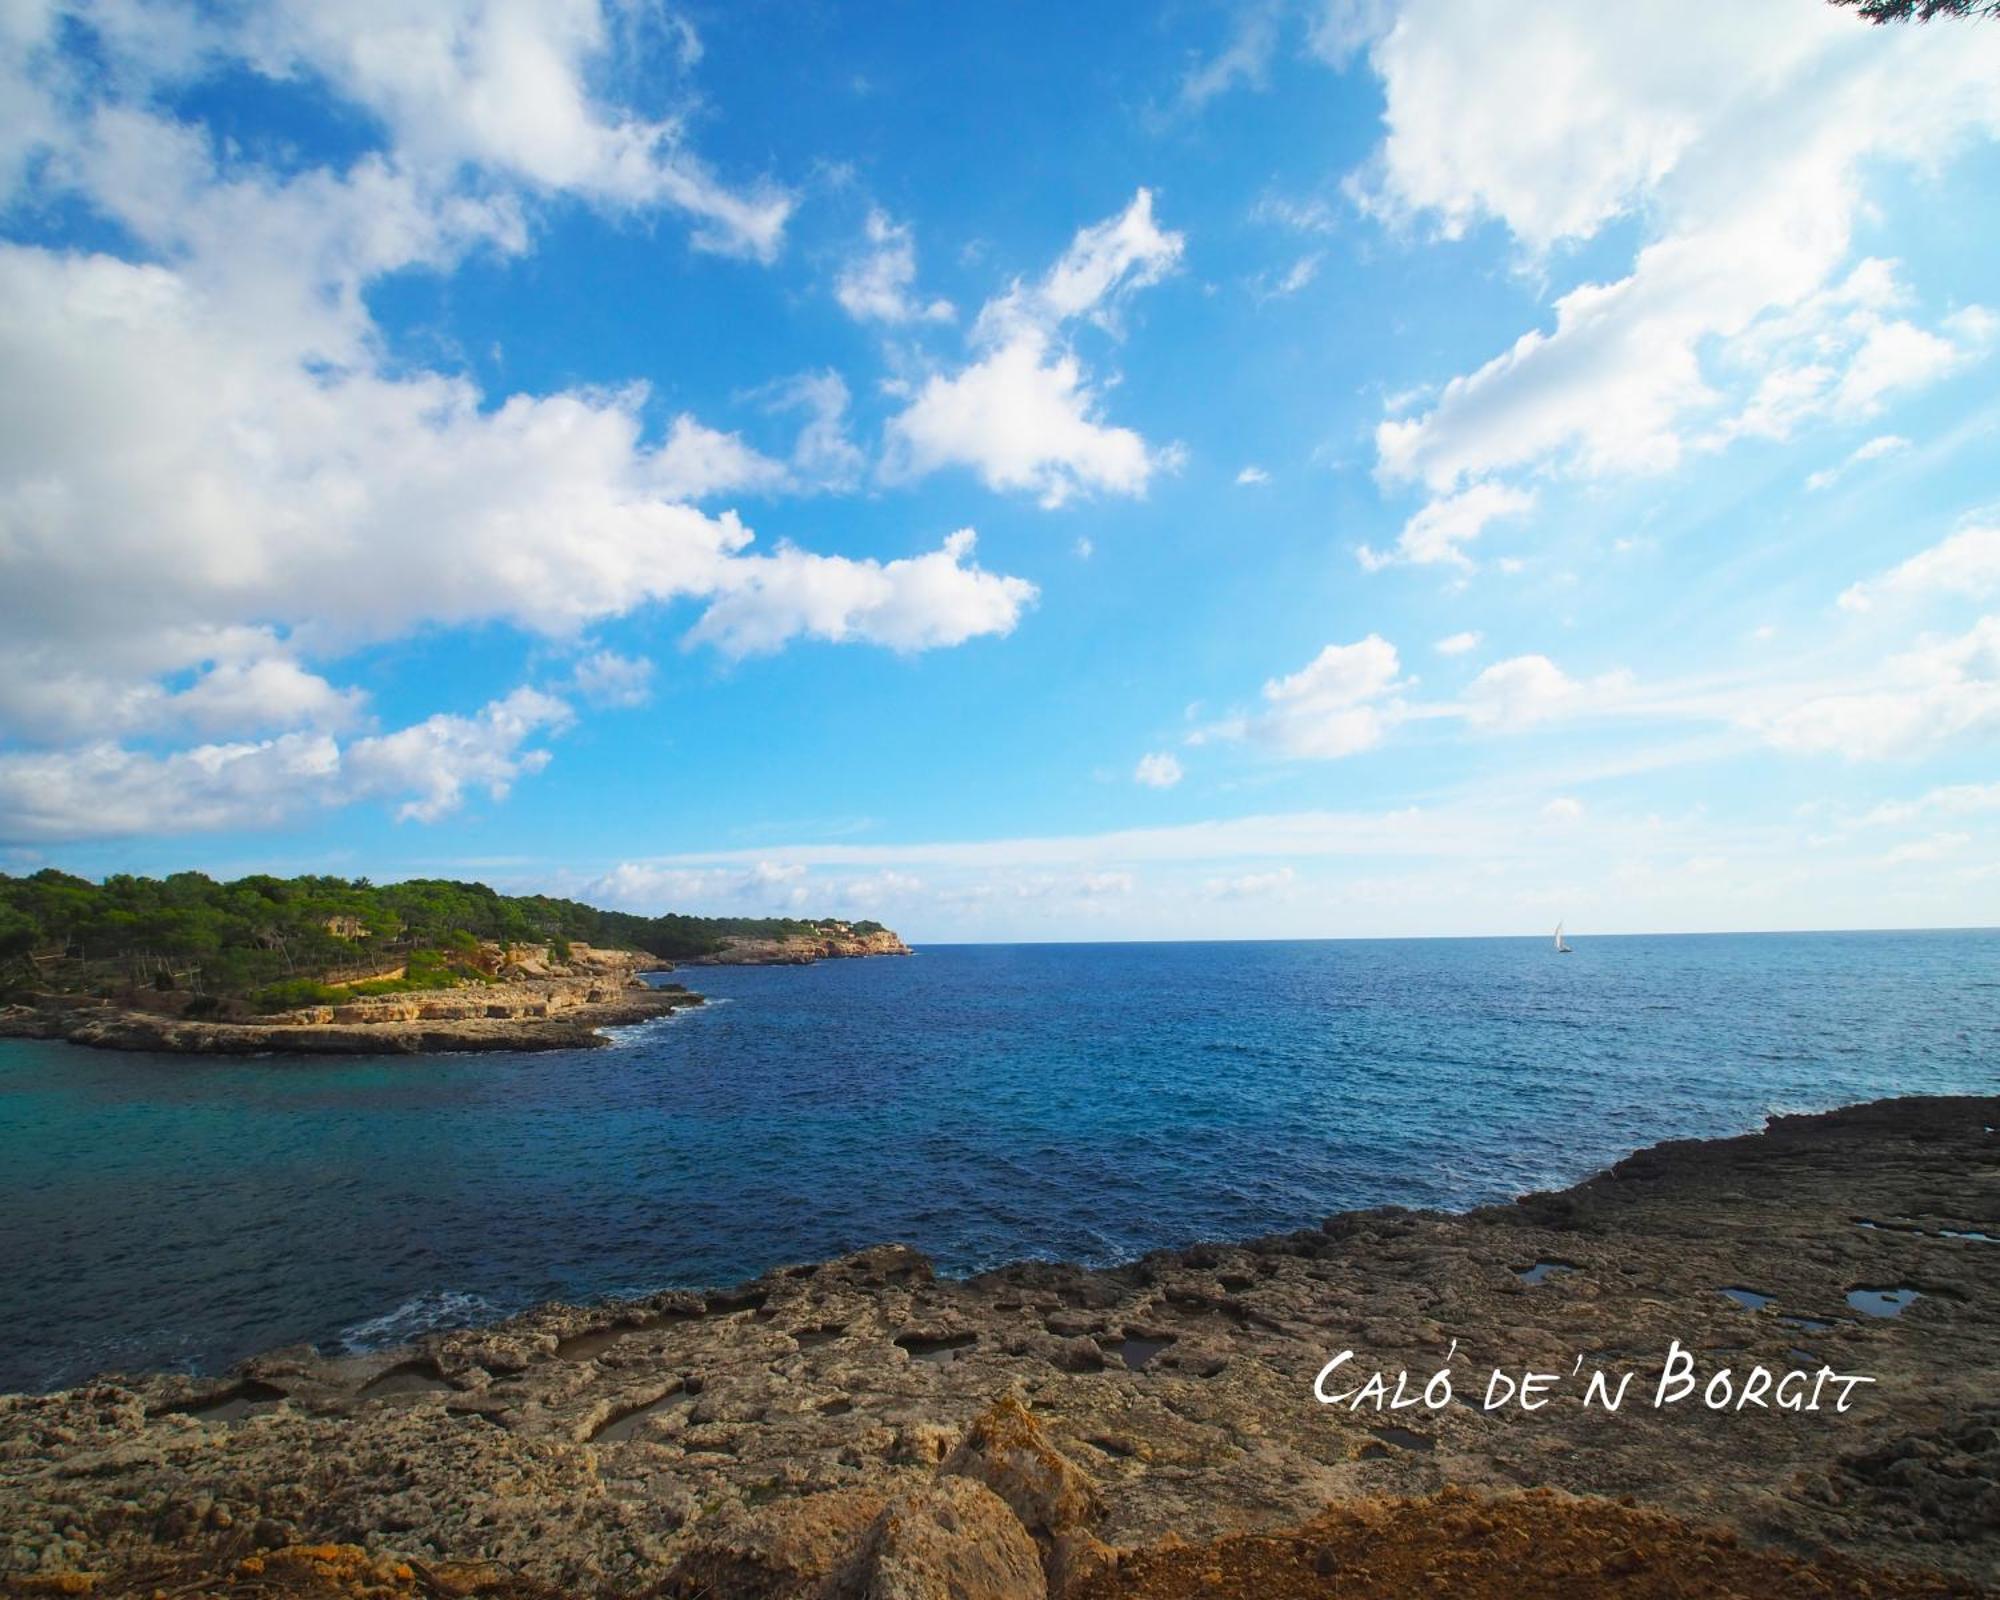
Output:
(1921, 10)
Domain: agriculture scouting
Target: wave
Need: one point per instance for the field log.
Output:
(420, 1314)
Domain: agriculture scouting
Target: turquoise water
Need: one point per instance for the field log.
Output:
(982, 1102)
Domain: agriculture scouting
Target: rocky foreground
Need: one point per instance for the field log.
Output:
(533, 1007)
(863, 1428)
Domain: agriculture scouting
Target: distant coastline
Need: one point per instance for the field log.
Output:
(331, 966)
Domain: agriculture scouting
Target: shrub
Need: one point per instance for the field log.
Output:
(202, 1005)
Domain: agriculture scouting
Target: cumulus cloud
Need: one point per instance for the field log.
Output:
(1252, 476)
(696, 462)
(1967, 564)
(105, 790)
(1458, 644)
(1525, 690)
(1023, 415)
(216, 477)
(1438, 533)
(1158, 769)
(507, 89)
(1740, 148)
(914, 603)
(876, 285)
(1340, 703)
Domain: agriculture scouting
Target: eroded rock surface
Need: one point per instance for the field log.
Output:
(754, 1441)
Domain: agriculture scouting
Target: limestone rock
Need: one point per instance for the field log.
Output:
(1007, 1451)
(953, 1539)
(777, 1552)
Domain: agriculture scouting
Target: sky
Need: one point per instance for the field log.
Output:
(1230, 468)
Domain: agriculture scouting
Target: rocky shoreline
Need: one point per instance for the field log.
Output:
(865, 1428)
(535, 1008)
(837, 945)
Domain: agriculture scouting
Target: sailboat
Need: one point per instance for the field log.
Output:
(1561, 948)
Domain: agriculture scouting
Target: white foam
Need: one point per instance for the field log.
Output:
(421, 1314)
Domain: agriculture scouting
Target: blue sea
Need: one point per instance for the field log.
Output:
(985, 1103)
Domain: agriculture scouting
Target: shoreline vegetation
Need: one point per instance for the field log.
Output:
(863, 1428)
(320, 965)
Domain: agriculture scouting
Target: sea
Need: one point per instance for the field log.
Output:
(982, 1103)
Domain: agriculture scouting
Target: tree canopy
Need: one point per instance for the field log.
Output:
(1921, 10)
(190, 931)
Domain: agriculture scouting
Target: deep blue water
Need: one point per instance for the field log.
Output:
(982, 1102)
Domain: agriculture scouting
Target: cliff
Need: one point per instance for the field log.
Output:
(863, 1428)
(832, 942)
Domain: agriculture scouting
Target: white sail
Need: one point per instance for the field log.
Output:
(1561, 948)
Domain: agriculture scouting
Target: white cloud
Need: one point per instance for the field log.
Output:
(1438, 533)
(1297, 276)
(697, 462)
(1103, 267)
(1251, 885)
(761, 887)
(1952, 800)
(1938, 847)
(506, 88)
(1741, 148)
(914, 603)
(1245, 60)
(1525, 690)
(1965, 564)
(609, 679)
(1564, 808)
(437, 760)
(250, 694)
(876, 285)
(1940, 690)
(1883, 444)
(1023, 415)
(104, 790)
(1158, 770)
(1339, 704)
(1023, 419)
(1458, 644)
(213, 467)
(1338, 29)
(1252, 477)
(823, 456)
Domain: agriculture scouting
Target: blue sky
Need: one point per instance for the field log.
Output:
(1052, 472)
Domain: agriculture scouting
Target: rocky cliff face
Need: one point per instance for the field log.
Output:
(535, 1002)
(865, 1429)
(826, 946)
